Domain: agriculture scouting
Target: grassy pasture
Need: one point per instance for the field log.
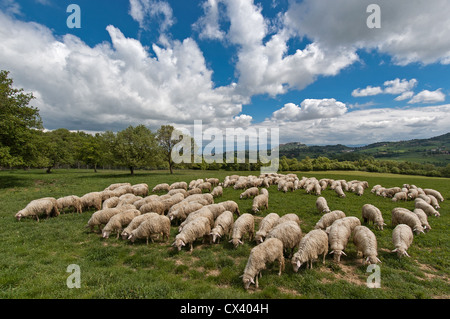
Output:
(35, 256)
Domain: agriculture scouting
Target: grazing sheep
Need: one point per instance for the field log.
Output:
(134, 224)
(287, 218)
(400, 196)
(213, 181)
(426, 198)
(375, 188)
(154, 206)
(265, 226)
(161, 187)
(216, 209)
(232, 206)
(288, 186)
(327, 219)
(264, 191)
(178, 191)
(322, 205)
(205, 185)
(245, 224)
(260, 256)
(152, 227)
(435, 193)
(205, 199)
(198, 228)
(413, 193)
(260, 201)
(402, 238)
(47, 206)
(93, 199)
(179, 185)
(140, 189)
(405, 216)
(339, 191)
(339, 234)
(127, 199)
(222, 226)
(423, 219)
(217, 191)
(434, 202)
(311, 246)
(249, 193)
(117, 222)
(171, 201)
(69, 202)
(366, 243)
(102, 217)
(359, 190)
(111, 202)
(182, 210)
(115, 186)
(427, 208)
(202, 212)
(371, 213)
(194, 191)
(289, 233)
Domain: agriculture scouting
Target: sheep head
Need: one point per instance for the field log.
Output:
(236, 242)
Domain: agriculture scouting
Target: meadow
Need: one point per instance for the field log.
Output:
(35, 256)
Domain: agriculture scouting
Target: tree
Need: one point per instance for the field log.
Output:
(17, 121)
(166, 142)
(89, 149)
(57, 147)
(135, 147)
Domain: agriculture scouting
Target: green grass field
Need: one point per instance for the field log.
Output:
(35, 256)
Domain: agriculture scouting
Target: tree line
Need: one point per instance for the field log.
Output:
(25, 144)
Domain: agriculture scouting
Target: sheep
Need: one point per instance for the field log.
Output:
(216, 209)
(161, 187)
(265, 226)
(205, 199)
(371, 213)
(249, 193)
(375, 188)
(423, 219)
(182, 210)
(322, 205)
(222, 226)
(102, 217)
(171, 201)
(217, 191)
(366, 243)
(288, 186)
(47, 206)
(405, 216)
(135, 223)
(232, 206)
(402, 238)
(213, 181)
(287, 218)
(311, 246)
(140, 189)
(202, 212)
(122, 190)
(327, 219)
(198, 228)
(427, 208)
(205, 185)
(435, 193)
(400, 196)
(339, 191)
(260, 201)
(128, 199)
(93, 199)
(115, 186)
(245, 224)
(153, 207)
(118, 221)
(359, 190)
(151, 227)
(339, 234)
(264, 191)
(426, 198)
(111, 202)
(289, 233)
(413, 193)
(433, 201)
(260, 256)
(178, 191)
(69, 202)
(179, 185)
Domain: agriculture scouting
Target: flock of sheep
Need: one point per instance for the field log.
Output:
(130, 212)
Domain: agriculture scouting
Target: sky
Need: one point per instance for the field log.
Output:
(313, 69)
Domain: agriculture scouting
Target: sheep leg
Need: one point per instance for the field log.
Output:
(256, 282)
(192, 248)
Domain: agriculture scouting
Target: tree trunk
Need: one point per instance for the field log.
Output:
(95, 168)
(132, 170)
(49, 169)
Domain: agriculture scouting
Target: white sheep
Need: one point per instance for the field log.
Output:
(140, 189)
(264, 191)
(288, 186)
(245, 224)
(366, 243)
(249, 193)
(402, 238)
(311, 246)
(371, 213)
(71, 201)
(288, 218)
(205, 186)
(154, 206)
(115, 186)
(182, 210)
(111, 202)
(427, 208)
(102, 217)
(222, 226)
(198, 228)
(117, 222)
(47, 206)
(265, 226)
(260, 257)
(435, 193)
(260, 201)
(322, 205)
(339, 234)
(434, 201)
(179, 185)
(202, 212)
(217, 191)
(359, 190)
(339, 191)
(405, 216)
(400, 196)
(134, 224)
(232, 206)
(93, 199)
(161, 187)
(289, 233)
(327, 219)
(423, 219)
(151, 227)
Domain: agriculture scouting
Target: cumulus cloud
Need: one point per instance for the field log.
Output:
(368, 91)
(208, 25)
(428, 97)
(143, 10)
(394, 87)
(405, 96)
(310, 109)
(343, 24)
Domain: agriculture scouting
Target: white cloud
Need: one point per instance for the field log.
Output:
(142, 10)
(405, 95)
(398, 86)
(208, 25)
(411, 30)
(428, 97)
(310, 109)
(368, 91)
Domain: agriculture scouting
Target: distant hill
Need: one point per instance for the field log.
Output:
(435, 150)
